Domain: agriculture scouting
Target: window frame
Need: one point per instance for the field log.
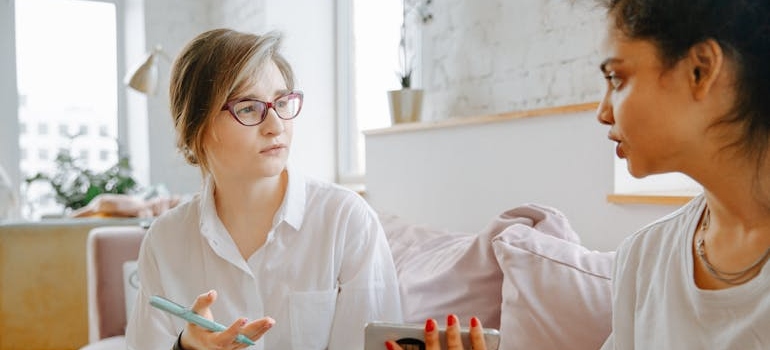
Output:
(129, 19)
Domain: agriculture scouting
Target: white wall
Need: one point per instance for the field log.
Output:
(308, 27)
(494, 56)
(461, 177)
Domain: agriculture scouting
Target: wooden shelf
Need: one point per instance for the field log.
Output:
(656, 199)
(483, 119)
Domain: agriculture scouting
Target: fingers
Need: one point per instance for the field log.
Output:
(256, 329)
(477, 335)
(391, 345)
(453, 336)
(432, 341)
(202, 303)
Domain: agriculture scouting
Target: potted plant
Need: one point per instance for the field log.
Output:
(406, 103)
(75, 186)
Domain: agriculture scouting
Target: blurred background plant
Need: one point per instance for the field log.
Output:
(405, 49)
(75, 185)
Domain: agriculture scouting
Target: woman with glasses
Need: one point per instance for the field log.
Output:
(687, 85)
(285, 260)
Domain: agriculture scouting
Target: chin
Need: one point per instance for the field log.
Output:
(636, 172)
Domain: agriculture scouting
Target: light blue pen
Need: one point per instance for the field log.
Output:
(190, 316)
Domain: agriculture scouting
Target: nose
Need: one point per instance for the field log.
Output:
(272, 125)
(604, 112)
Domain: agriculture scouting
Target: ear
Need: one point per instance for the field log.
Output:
(706, 61)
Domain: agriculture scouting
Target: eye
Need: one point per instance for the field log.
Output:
(614, 80)
(247, 109)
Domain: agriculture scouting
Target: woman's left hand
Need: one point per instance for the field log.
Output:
(453, 337)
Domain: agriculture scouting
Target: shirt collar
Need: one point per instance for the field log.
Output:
(292, 208)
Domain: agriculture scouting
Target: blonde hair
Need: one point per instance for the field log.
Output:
(211, 69)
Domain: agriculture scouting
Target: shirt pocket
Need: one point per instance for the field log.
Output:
(311, 315)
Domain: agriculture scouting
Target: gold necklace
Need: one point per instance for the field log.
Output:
(733, 278)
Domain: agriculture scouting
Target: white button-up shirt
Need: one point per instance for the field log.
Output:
(323, 272)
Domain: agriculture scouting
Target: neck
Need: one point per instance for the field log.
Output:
(242, 198)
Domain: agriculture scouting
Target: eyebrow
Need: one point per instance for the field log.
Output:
(603, 66)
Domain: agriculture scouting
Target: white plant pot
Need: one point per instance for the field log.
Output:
(405, 105)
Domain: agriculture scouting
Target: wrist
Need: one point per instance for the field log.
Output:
(178, 343)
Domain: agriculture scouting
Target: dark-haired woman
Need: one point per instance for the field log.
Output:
(688, 90)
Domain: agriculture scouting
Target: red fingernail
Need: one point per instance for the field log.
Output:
(450, 320)
(389, 345)
(429, 326)
(474, 322)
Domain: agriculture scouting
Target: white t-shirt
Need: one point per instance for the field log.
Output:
(656, 304)
(324, 271)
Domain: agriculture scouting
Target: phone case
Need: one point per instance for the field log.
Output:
(410, 336)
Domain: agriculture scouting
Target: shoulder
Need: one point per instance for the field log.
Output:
(663, 234)
(176, 222)
(335, 194)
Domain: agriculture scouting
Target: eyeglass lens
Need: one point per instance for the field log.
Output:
(253, 112)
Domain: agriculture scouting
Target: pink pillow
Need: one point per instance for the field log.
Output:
(442, 272)
(556, 293)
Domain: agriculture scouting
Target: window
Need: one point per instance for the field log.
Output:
(42, 129)
(368, 69)
(68, 80)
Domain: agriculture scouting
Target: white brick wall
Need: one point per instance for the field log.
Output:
(494, 56)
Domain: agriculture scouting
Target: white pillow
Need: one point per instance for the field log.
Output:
(556, 293)
(442, 272)
(130, 285)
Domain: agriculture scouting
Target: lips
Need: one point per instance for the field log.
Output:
(273, 148)
(618, 149)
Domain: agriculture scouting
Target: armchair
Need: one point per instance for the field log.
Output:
(108, 248)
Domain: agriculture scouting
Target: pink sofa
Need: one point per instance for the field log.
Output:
(525, 274)
(107, 249)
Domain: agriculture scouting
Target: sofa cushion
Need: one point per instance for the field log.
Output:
(556, 293)
(442, 272)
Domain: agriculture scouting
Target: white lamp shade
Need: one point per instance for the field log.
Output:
(145, 77)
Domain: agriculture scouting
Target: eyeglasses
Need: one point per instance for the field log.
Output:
(250, 112)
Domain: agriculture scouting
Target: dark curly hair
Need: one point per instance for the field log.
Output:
(742, 29)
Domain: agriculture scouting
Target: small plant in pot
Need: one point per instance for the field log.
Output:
(406, 103)
(75, 185)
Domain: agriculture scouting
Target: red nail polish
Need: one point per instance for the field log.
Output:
(451, 320)
(389, 345)
(474, 322)
(430, 326)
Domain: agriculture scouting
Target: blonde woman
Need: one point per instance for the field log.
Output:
(285, 260)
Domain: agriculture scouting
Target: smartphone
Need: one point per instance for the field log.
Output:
(410, 336)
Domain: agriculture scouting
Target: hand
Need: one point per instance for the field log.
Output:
(453, 339)
(195, 337)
